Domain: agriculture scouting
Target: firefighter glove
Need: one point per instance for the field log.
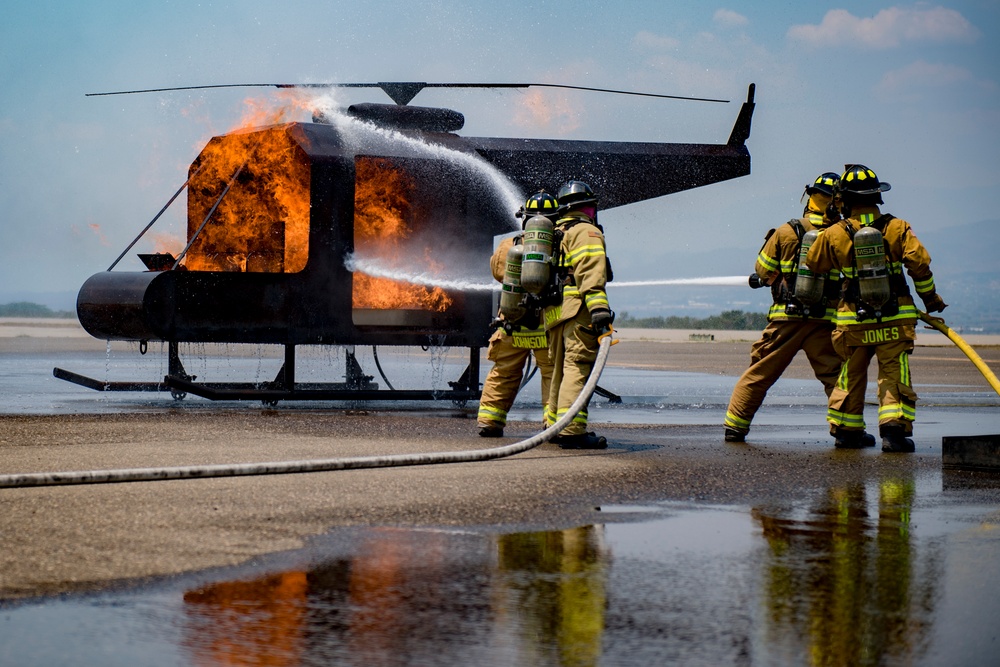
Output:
(933, 302)
(601, 320)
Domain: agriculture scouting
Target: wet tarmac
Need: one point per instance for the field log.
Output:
(670, 547)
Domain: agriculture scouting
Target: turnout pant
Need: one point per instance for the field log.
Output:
(896, 399)
(504, 379)
(572, 350)
(769, 357)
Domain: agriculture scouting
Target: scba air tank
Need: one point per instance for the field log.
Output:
(808, 286)
(873, 274)
(512, 294)
(536, 264)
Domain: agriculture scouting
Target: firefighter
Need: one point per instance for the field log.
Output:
(512, 344)
(801, 318)
(876, 316)
(580, 312)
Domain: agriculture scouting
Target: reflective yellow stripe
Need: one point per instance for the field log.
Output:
(548, 415)
(849, 317)
(597, 299)
(777, 313)
(897, 411)
(904, 369)
(595, 250)
(845, 419)
(735, 422)
(842, 378)
(768, 262)
(924, 286)
(580, 418)
(486, 413)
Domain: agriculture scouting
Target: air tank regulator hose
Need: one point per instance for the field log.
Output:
(317, 465)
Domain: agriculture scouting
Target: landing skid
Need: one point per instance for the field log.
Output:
(357, 387)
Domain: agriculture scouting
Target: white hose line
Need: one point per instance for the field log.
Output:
(319, 465)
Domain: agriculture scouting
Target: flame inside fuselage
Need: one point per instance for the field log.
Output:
(384, 213)
(261, 223)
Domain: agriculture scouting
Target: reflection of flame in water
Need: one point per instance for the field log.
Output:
(256, 622)
(382, 206)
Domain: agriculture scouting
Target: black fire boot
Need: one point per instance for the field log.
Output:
(732, 435)
(894, 439)
(491, 432)
(581, 441)
(844, 439)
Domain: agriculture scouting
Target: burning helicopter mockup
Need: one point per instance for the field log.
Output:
(274, 214)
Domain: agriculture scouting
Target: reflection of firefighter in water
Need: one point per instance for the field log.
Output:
(801, 317)
(514, 342)
(845, 584)
(562, 599)
(876, 316)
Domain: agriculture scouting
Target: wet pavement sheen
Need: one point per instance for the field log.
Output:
(901, 571)
(895, 568)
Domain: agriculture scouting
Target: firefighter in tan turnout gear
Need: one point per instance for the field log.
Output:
(876, 316)
(580, 312)
(801, 317)
(513, 343)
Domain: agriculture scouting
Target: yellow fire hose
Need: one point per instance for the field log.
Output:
(938, 323)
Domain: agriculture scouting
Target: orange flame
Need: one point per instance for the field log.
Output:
(262, 222)
(382, 209)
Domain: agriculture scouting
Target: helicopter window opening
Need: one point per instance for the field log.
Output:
(261, 225)
(410, 226)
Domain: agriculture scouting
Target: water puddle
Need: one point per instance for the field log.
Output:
(876, 573)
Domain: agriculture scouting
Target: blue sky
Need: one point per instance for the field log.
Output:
(910, 89)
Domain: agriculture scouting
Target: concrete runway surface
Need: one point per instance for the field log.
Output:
(666, 452)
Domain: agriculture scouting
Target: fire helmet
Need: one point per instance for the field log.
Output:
(860, 180)
(574, 193)
(541, 203)
(824, 183)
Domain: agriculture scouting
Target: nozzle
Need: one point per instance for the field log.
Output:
(755, 282)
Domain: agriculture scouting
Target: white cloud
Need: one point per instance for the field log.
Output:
(889, 28)
(729, 18)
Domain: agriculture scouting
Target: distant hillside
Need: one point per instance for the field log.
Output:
(28, 309)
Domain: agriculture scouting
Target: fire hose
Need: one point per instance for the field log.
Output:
(977, 361)
(318, 465)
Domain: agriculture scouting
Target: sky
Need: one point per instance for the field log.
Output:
(910, 89)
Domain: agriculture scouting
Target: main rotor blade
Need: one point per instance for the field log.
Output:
(402, 92)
